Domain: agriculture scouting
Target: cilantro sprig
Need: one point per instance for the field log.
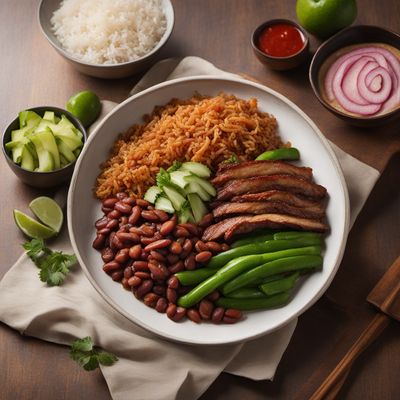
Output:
(53, 265)
(88, 356)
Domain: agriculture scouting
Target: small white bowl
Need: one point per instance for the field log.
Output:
(106, 71)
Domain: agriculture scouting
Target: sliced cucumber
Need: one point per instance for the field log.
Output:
(178, 178)
(203, 183)
(65, 151)
(152, 193)
(162, 203)
(27, 161)
(196, 168)
(198, 208)
(194, 187)
(176, 198)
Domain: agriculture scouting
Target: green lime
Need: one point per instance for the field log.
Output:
(31, 227)
(48, 212)
(323, 18)
(85, 106)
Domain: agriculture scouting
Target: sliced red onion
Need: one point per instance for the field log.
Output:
(365, 81)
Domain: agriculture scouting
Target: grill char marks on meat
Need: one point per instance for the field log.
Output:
(250, 169)
(244, 224)
(279, 207)
(258, 184)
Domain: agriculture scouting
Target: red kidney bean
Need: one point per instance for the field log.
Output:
(233, 313)
(144, 288)
(161, 305)
(117, 276)
(134, 281)
(122, 256)
(162, 215)
(172, 296)
(158, 244)
(175, 248)
(172, 258)
(173, 282)
(114, 214)
(142, 275)
(159, 289)
(106, 210)
(112, 224)
(203, 257)
(107, 255)
(135, 215)
(121, 195)
(181, 232)
(123, 207)
(111, 266)
(135, 251)
(123, 221)
(171, 310)
(140, 266)
(150, 216)
(229, 320)
(142, 202)
(193, 315)
(181, 240)
(206, 221)
(129, 200)
(110, 202)
(192, 228)
(213, 296)
(190, 262)
(127, 237)
(147, 230)
(157, 273)
(206, 308)
(135, 230)
(156, 255)
(125, 283)
(167, 227)
(98, 243)
(143, 256)
(217, 315)
(187, 246)
(101, 223)
(128, 272)
(200, 246)
(104, 231)
(177, 267)
(180, 312)
(150, 299)
(147, 240)
(225, 247)
(213, 246)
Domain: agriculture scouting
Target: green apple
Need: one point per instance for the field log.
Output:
(323, 18)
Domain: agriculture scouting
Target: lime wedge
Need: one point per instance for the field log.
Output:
(48, 212)
(31, 227)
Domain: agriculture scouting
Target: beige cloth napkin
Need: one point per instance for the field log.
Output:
(149, 367)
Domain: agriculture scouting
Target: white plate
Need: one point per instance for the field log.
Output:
(294, 126)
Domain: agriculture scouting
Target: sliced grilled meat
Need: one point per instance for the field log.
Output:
(244, 224)
(279, 195)
(279, 207)
(258, 184)
(250, 169)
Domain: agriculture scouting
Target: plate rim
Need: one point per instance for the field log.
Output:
(334, 162)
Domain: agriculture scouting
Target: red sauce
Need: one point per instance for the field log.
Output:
(281, 40)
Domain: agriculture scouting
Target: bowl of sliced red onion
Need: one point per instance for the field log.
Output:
(356, 75)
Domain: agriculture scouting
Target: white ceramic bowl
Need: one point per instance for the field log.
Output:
(107, 71)
(294, 125)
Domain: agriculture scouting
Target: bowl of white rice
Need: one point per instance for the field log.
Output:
(107, 38)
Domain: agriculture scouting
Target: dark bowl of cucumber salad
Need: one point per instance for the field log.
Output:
(42, 144)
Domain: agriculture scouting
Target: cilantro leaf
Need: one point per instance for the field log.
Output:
(163, 178)
(233, 159)
(89, 357)
(55, 267)
(36, 249)
(175, 166)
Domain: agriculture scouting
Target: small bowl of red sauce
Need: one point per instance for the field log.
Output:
(280, 44)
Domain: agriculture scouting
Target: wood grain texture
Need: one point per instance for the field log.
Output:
(33, 74)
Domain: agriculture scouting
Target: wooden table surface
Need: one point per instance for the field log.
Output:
(33, 74)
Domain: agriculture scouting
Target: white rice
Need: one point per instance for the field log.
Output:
(109, 31)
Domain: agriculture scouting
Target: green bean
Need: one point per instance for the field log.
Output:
(293, 235)
(246, 293)
(261, 281)
(278, 286)
(284, 153)
(188, 278)
(261, 247)
(254, 237)
(293, 263)
(235, 268)
(255, 304)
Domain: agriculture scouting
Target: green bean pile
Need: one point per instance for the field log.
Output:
(258, 272)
